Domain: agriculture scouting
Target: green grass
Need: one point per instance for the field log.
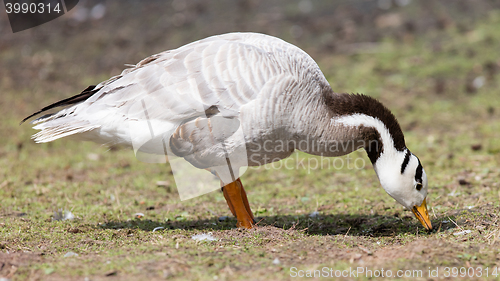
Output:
(358, 225)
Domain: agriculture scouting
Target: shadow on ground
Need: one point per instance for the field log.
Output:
(353, 225)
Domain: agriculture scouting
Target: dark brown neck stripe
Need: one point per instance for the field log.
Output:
(405, 161)
(419, 172)
(374, 146)
(349, 104)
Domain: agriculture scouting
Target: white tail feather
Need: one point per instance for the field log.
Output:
(50, 132)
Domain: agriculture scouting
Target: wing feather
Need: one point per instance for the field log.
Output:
(223, 72)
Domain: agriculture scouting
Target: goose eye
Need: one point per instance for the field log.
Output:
(419, 186)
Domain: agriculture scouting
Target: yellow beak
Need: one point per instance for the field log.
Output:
(422, 215)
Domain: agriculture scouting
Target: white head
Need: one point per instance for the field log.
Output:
(398, 170)
(402, 176)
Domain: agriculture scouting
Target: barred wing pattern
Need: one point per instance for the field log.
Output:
(182, 90)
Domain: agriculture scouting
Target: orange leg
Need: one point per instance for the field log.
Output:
(237, 201)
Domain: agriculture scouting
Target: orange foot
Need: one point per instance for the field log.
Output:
(237, 201)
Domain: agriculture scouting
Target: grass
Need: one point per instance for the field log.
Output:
(427, 81)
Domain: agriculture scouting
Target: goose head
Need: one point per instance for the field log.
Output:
(402, 176)
(400, 172)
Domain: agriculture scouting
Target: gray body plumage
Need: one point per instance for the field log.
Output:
(274, 90)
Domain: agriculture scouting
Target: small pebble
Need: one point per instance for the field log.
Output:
(462, 232)
(63, 215)
(93, 156)
(463, 182)
(204, 237)
(478, 82)
(70, 255)
(476, 147)
(162, 183)
(314, 214)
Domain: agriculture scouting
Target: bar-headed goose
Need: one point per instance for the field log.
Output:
(263, 87)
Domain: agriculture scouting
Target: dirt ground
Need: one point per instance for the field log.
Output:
(436, 65)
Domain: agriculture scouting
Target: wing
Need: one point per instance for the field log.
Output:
(176, 96)
(219, 73)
